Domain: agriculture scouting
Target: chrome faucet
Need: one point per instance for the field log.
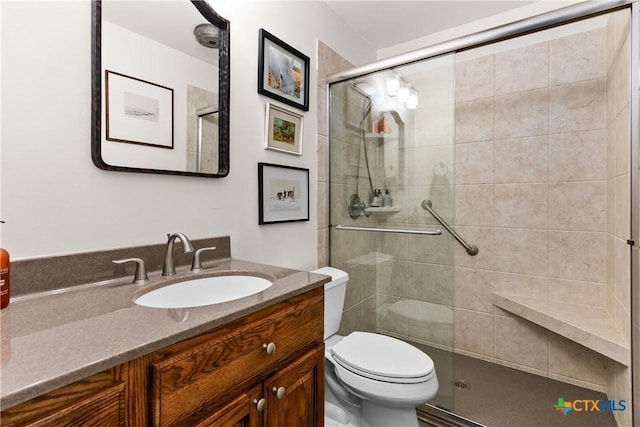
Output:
(168, 268)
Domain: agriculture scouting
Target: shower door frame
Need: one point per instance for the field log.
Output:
(635, 212)
(533, 24)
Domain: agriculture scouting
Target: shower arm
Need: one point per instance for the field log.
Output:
(471, 249)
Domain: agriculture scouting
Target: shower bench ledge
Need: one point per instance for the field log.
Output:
(591, 327)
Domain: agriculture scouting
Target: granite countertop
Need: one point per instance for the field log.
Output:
(54, 339)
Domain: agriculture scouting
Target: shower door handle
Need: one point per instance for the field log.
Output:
(387, 230)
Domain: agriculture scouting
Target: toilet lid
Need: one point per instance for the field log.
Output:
(381, 357)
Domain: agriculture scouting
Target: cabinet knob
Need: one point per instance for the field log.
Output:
(279, 392)
(269, 348)
(260, 404)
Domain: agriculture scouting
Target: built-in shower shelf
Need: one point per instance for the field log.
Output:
(591, 327)
(381, 137)
(382, 210)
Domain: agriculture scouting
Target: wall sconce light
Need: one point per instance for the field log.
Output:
(397, 87)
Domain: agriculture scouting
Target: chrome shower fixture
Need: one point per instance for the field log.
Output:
(356, 207)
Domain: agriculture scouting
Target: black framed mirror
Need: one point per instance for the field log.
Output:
(160, 87)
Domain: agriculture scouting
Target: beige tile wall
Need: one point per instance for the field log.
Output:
(535, 156)
(198, 98)
(418, 304)
(618, 167)
(353, 252)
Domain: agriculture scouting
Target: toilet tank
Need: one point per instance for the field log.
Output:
(334, 292)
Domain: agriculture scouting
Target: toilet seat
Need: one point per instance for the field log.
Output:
(382, 358)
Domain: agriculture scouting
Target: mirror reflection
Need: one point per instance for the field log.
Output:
(161, 88)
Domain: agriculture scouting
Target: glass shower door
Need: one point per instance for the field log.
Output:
(391, 150)
(541, 125)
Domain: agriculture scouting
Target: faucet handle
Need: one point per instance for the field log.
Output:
(141, 271)
(196, 265)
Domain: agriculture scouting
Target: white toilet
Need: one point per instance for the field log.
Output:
(371, 380)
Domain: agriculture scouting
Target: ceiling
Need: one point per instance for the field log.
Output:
(162, 21)
(391, 22)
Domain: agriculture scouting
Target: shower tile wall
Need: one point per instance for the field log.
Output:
(353, 252)
(542, 137)
(618, 166)
(541, 231)
(328, 62)
(415, 282)
(199, 98)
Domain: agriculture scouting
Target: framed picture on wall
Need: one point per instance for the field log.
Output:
(283, 130)
(283, 194)
(283, 72)
(137, 111)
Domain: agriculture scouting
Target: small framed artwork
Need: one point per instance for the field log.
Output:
(137, 111)
(283, 193)
(283, 130)
(283, 72)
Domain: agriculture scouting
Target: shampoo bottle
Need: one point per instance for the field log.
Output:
(377, 199)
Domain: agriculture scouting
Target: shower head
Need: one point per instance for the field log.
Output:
(366, 109)
(364, 89)
(207, 35)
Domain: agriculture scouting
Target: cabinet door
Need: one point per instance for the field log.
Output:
(295, 395)
(243, 411)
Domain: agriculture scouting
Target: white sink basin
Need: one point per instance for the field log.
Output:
(204, 291)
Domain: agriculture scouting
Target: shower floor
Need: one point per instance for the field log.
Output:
(498, 396)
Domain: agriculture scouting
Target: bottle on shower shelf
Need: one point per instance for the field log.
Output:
(377, 198)
(379, 125)
(387, 201)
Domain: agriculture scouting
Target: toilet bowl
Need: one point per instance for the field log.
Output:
(373, 380)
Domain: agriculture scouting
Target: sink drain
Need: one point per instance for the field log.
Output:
(461, 385)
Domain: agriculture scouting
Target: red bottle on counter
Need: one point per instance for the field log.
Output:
(4, 278)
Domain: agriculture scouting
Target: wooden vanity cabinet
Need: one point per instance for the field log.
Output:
(99, 400)
(279, 347)
(263, 370)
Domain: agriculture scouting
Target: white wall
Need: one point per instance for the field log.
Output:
(504, 18)
(56, 201)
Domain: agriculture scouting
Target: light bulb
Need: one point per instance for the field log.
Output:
(412, 100)
(392, 85)
(403, 93)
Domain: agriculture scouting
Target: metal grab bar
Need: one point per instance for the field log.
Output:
(471, 249)
(388, 230)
